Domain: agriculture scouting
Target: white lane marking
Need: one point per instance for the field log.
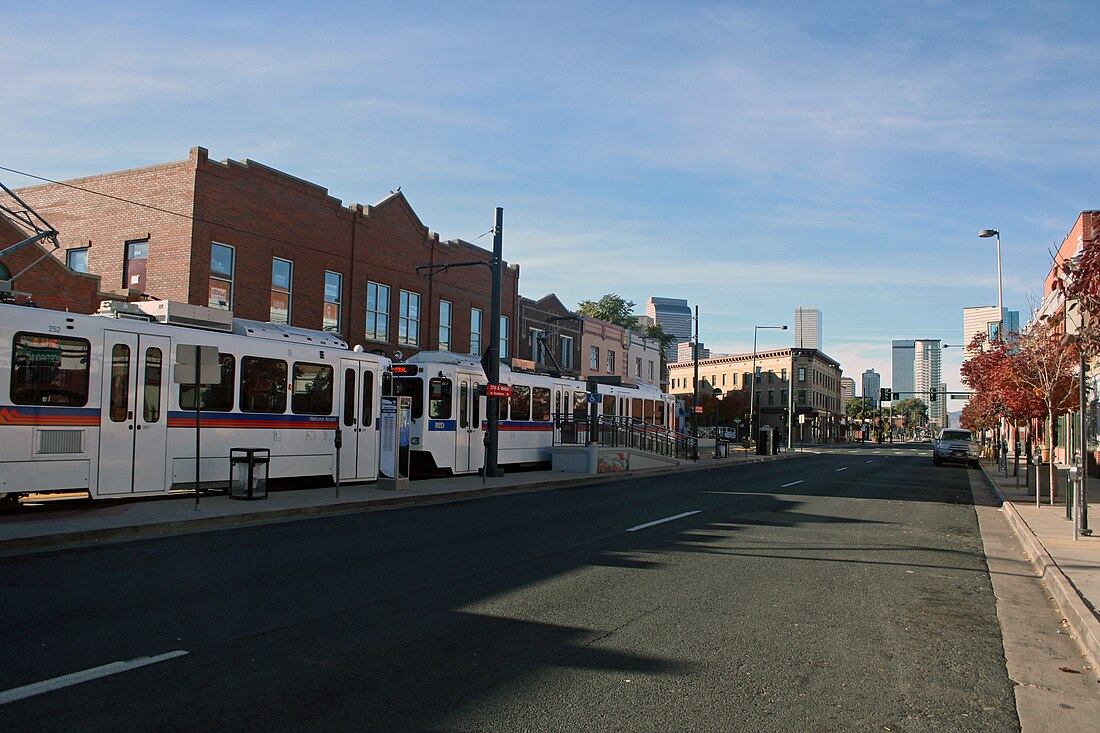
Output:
(38, 688)
(870, 461)
(845, 468)
(662, 521)
(793, 483)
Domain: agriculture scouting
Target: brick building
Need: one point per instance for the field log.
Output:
(47, 280)
(562, 327)
(269, 246)
(815, 378)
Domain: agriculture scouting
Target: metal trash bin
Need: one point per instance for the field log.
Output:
(248, 472)
(764, 441)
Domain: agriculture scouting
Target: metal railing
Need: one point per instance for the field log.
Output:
(616, 431)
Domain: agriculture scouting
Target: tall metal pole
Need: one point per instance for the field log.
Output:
(1000, 293)
(753, 430)
(492, 436)
(695, 396)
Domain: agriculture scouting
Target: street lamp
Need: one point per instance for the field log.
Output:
(752, 393)
(985, 234)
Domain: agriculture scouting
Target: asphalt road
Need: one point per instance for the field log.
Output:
(840, 592)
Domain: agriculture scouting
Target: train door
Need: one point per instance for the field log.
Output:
(359, 449)
(133, 434)
(468, 444)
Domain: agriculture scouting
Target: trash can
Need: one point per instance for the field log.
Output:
(248, 471)
(764, 441)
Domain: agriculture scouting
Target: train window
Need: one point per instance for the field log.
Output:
(647, 414)
(120, 383)
(216, 397)
(477, 405)
(540, 404)
(368, 400)
(608, 405)
(463, 404)
(150, 410)
(502, 408)
(520, 402)
(263, 385)
(636, 408)
(48, 370)
(580, 405)
(411, 387)
(349, 397)
(439, 401)
(557, 401)
(312, 393)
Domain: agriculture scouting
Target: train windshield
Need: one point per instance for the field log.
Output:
(411, 387)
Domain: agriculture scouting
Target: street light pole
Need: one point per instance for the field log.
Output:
(717, 407)
(985, 234)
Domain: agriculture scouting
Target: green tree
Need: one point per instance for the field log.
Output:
(611, 308)
(913, 410)
(656, 333)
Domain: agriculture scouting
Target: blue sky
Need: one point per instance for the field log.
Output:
(751, 157)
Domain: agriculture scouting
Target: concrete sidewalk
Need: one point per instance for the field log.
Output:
(67, 523)
(1069, 568)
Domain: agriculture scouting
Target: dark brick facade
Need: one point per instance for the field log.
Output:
(534, 314)
(49, 282)
(261, 213)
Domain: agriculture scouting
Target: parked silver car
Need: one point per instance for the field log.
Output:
(955, 445)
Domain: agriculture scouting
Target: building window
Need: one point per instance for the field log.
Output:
(771, 396)
(566, 352)
(651, 372)
(594, 357)
(378, 312)
(801, 396)
(334, 291)
(76, 259)
(638, 367)
(504, 352)
(538, 349)
(282, 277)
(784, 374)
(444, 325)
(408, 319)
(802, 374)
(475, 331)
(221, 276)
(610, 361)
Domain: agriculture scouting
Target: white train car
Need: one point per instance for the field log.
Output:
(90, 403)
(448, 425)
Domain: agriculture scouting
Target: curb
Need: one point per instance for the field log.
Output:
(93, 537)
(1082, 621)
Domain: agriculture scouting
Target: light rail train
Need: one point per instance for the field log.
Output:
(448, 411)
(95, 403)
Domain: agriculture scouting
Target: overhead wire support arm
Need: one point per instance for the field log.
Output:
(443, 267)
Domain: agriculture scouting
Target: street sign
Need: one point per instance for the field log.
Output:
(736, 421)
(498, 390)
(592, 398)
(960, 396)
(699, 409)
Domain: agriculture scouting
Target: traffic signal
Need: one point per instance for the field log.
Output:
(897, 396)
(884, 394)
(931, 395)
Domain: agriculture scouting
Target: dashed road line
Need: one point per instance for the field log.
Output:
(662, 521)
(87, 675)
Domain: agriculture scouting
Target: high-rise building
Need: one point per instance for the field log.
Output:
(983, 319)
(902, 356)
(917, 373)
(807, 328)
(847, 389)
(683, 352)
(673, 315)
(872, 382)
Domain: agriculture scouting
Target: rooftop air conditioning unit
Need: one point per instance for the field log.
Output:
(184, 314)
